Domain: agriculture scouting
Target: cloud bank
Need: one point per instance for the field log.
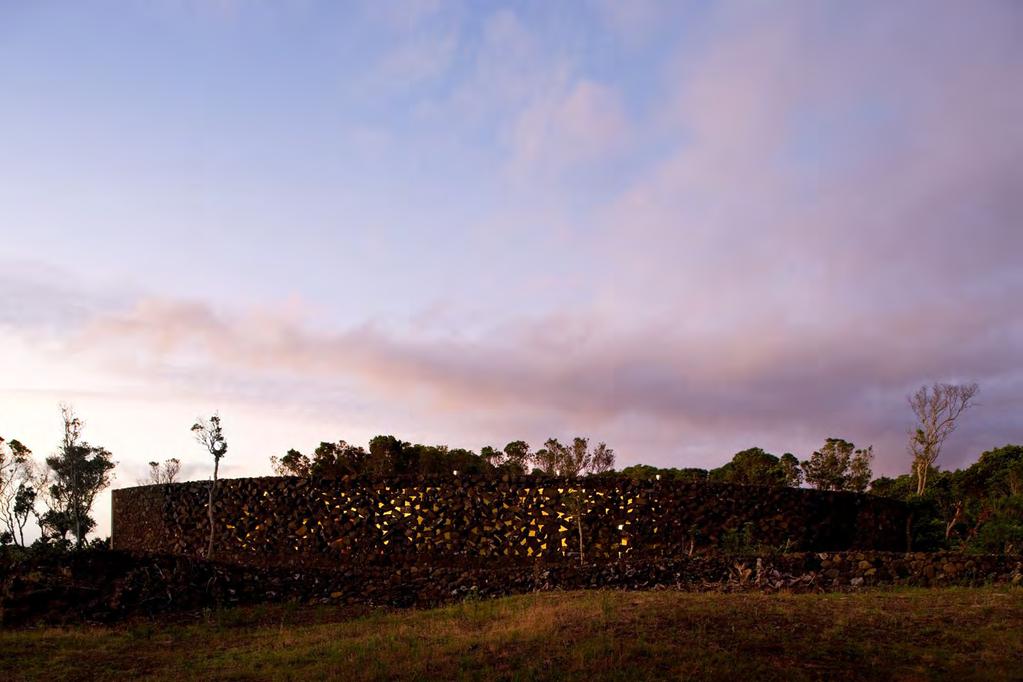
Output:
(805, 213)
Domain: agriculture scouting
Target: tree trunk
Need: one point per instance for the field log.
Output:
(76, 508)
(955, 519)
(579, 524)
(921, 476)
(213, 487)
(909, 532)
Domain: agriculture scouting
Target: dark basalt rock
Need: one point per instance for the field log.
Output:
(464, 521)
(105, 586)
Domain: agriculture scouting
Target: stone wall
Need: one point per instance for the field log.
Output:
(105, 586)
(460, 521)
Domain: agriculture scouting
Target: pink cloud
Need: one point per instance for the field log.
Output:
(573, 373)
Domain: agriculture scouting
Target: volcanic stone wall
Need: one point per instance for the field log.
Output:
(103, 586)
(283, 521)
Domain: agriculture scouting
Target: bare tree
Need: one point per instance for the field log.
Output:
(210, 434)
(573, 460)
(937, 409)
(603, 459)
(167, 472)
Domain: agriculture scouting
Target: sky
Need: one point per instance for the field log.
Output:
(683, 228)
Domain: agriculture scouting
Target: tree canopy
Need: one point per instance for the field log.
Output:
(753, 466)
(839, 465)
(79, 472)
(978, 508)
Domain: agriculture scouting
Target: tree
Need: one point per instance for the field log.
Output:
(429, 460)
(330, 460)
(517, 455)
(167, 472)
(980, 507)
(860, 473)
(465, 461)
(492, 456)
(791, 474)
(937, 409)
(753, 466)
(334, 460)
(17, 494)
(546, 458)
(602, 460)
(643, 472)
(839, 466)
(571, 461)
(512, 460)
(210, 434)
(389, 456)
(24, 506)
(999, 472)
(899, 488)
(989, 496)
(79, 472)
(292, 463)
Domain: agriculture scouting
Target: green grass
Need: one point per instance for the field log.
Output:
(880, 634)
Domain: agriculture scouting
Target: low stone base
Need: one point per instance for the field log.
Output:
(105, 586)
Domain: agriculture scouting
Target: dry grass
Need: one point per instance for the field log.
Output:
(897, 634)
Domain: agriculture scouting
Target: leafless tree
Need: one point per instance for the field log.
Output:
(210, 434)
(937, 409)
(167, 472)
(574, 460)
(602, 460)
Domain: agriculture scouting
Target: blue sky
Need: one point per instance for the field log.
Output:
(295, 139)
(684, 228)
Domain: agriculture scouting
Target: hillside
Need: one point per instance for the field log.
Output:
(877, 634)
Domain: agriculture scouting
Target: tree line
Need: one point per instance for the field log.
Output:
(838, 465)
(980, 507)
(65, 485)
(391, 456)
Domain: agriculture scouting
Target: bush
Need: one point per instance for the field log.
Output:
(738, 540)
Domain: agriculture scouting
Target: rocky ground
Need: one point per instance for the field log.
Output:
(105, 586)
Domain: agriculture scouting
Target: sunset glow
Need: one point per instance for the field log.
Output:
(681, 228)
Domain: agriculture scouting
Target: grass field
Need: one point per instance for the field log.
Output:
(897, 634)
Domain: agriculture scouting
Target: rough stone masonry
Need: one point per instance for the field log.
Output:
(465, 521)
